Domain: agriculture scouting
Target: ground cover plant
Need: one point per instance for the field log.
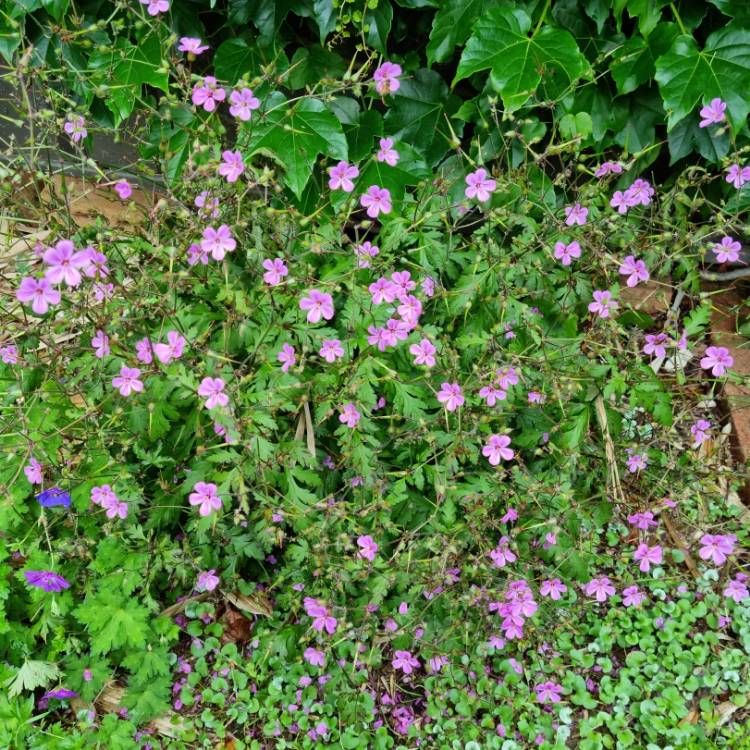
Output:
(355, 431)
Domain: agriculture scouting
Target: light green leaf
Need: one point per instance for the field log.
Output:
(451, 26)
(32, 675)
(520, 63)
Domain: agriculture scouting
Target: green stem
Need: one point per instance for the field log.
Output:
(541, 18)
(677, 18)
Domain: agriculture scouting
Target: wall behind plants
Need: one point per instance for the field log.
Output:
(351, 436)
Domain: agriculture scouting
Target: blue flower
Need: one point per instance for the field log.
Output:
(53, 496)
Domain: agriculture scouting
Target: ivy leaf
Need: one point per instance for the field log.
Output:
(635, 63)
(452, 26)
(233, 59)
(294, 134)
(648, 13)
(362, 134)
(687, 76)
(379, 20)
(324, 14)
(519, 63)
(737, 9)
(311, 64)
(686, 137)
(32, 675)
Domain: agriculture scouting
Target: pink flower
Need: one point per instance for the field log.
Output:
(318, 305)
(33, 471)
(728, 251)
(451, 395)
(208, 94)
(349, 415)
(576, 214)
(9, 354)
(428, 286)
(718, 360)
(700, 431)
(510, 515)
(75, 127)
(506, 377)
(636, 461)
(103, 291)
(648, 556)
(736, 590)
(603, 303)
(608, 167)
(103, 496)
(387, 153)
(712, 113)
(737, 175)
(717, 547)
(633, 597)
(364, 252)
(206, 497)
(192, 45)
(383, 290)
(404, 661)
(492, 394)
(242, 104)
(479, 186)
(123, 189)
(368, 547)
(165, 353)
(314, 657)
(209, 206)
(548, 692)
(218, 242)
(154, 7)
(639, 193)
(331, 350)
(535, 397)
(287, 357)
(502, 554)
(497, 448)
(322, 618)
(232, 166)
(207, 580)
(643, 521)
(144, 351)
(341, 176)
(97, 265)
(656, 344)
(376, 200)
(553, 588)
(636, 269)
(403, 283)
(620, 202)
(600, 588)
(100, 342)
(566, 253)
(128, 381)
(276, 270)
(64, 262)
(212, 389)
(386, 78)
(424, 353)
(117, 508)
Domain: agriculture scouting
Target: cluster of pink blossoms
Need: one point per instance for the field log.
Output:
(516, 607)
(209, 94)
(639, 193)
(323, 620)
(105, 497)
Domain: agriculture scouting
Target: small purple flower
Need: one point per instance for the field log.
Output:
(342, 176)
(75, 127)
(737, 175)
(576, 214)
(718, 360)
(47, 580)
(100, 343)
(349, 415)
(192, 45)
(548, 692)
(700, 432)
(608, 167)
(713, 113)
(386, 78)
(479, 186)
(376, 200)
(53, 496)
(404, 661)
(451, 395)
(33, 471)
(567, 253)
(123, 189)
(208, 93)
(387, 153)
(287, 357)
(600, 588)
(497, 448)
(276, 270)
(633, 597)
(603, 303)
(232, 166)
(727, 251)
(243, 104)
(207, 580)
(315, 657)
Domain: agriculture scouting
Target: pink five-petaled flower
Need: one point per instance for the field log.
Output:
(736, 589)
(173, 349)
(9, 354)
(424, 353)
(218, 242)
(117, 509)
(386, 78)
(643, 521)
(232, 166)
(700, 431)
(387, 153)
(128, 381)
(341, 176)
(718, 360)
(192, 45)
(75, 127)
(632, 596)
(364, 252)
(318, 305)
(331, 350)
(376, 200)
(367, 547)
(479, 186)
(576, 214)
(636, 461)
(315, 657)
(349, 415)
(64, 262)
(608, 167)
(243, 103)
(404, 661)
(553, 588)
(276, 270)
(603, 303)
(728, 250)
(287, 357)
(635, 270)
(647, 556)
(322, 618)
(100, 342)
(48, 580)
(600, 588)
(656, 344)
(451, 395)
(212, 389)
(737, 175)
(717, 547)
(207, 580)
(206, 497)
(492, 394)
(502, 554)
(208, 94)
(144, 351)
(548, 692)
(713, 113)
(33, 471)
(123, 189)
(566, 253)
(497, 448)
(154, 7)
